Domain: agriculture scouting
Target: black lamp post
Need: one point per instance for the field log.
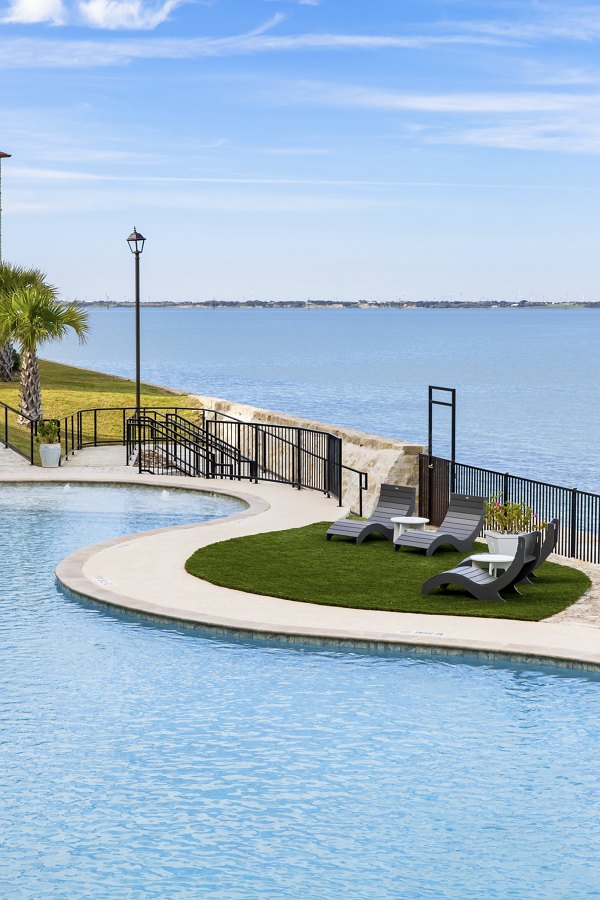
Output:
(2, 156)
(136, 243)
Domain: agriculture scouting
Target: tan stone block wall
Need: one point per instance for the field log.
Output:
(387, 461)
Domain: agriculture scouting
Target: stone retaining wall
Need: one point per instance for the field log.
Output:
(387, 461)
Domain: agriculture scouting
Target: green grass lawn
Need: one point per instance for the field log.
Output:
(301, 565)
(66, 389)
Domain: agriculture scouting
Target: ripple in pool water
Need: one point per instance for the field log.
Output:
(145, 761)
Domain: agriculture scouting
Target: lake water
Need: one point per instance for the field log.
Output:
(528, 380)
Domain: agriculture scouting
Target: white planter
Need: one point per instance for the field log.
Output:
(504, 544)
(50, 455)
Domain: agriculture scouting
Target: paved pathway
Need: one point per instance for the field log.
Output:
(11, 460)
(97, 457)
(587, 609)
(146, 573)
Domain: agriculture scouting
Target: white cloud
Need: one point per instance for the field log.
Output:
(139, 14)
(49, 176)
(473, 102)
(558, 121)
(548, 23)
(564, 76)
(73, 54)
(108, 14)
(30, 12)
(126, 14)
(553, 23)
(561, 135)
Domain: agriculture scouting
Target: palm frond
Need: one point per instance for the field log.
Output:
(30, 315)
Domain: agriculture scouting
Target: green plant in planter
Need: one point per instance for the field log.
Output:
(510, 518)
(47, 431)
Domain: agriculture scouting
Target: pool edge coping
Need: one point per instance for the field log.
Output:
(74, 582)
(69, 573)
(322, 638)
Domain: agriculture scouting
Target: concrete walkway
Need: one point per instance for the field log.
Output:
(97, 457)
(145, 573)
(11, 460)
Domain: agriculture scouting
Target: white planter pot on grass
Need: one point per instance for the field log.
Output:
(50, 455)
(503, 544)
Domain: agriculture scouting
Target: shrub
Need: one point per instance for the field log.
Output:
(47, 431)
(510, 518)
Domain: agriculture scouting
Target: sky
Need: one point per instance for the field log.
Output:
(303, 149)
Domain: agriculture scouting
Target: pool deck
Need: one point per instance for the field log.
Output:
(145, 574)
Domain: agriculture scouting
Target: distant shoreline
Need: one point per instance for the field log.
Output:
(326, 304)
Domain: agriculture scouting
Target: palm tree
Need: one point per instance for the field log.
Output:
(7, 360)
(11, 278)
(30, 316)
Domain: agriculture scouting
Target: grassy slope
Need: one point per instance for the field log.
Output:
(300, 565)
(66, 389)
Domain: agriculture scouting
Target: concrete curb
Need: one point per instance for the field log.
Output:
(128, 573)
(144, 574)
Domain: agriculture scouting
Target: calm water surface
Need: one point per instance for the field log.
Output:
(528, 380)
(138, 761)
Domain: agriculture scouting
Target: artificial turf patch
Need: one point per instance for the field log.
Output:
(300, 564)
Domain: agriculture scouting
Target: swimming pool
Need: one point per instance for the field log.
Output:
(138, 760)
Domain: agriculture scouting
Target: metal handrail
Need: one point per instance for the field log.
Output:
(17, 411)
(204, 434)
(313, 458)
(165, 438)
(215, 415)
(171, 448)
(266, 425)
(72, 432)
(214, 444)
(363, 485)
(32, 432)
(296, 451)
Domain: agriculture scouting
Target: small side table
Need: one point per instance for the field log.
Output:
(406, 523)
(492, 562)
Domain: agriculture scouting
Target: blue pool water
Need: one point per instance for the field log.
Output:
(528, 380)
(140, 761)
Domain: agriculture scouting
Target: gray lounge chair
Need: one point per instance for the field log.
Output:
(483, 586)
(547, 546)
(543, 550)
(459, 529)
(394, 500)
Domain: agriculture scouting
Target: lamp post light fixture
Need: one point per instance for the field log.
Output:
(136, 243)
(2, 156)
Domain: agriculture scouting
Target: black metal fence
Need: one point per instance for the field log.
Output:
(203, 442)
(19, 432)
(221, 446)
(577, 511)
(170, 445)
(304, 457)
(200, 442)
(106, 426)
(285, 453)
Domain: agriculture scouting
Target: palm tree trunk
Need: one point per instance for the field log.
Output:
(6, 361)
(31, 392)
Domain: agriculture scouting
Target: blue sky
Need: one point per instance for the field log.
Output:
(280, 149)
